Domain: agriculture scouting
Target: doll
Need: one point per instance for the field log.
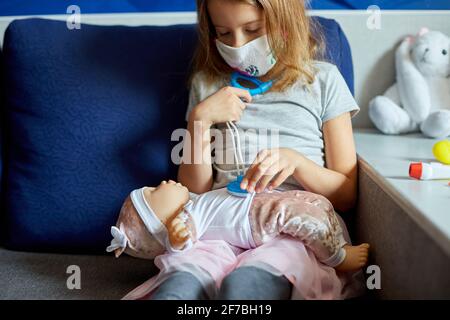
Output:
(168, 217)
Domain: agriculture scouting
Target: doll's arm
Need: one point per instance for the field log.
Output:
(413, 89)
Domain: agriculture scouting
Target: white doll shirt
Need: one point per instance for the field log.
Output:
(219, 215)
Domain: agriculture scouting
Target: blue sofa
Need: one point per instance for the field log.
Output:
(87, 116)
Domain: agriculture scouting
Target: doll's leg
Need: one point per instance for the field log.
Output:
(252, 283)
(310, 218)
(180, 286)
(437, 125)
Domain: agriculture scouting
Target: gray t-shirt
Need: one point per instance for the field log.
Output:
(290, 119)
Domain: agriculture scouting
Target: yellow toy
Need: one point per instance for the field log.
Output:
(441, 151)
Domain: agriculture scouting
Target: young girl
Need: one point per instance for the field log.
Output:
(311, 106)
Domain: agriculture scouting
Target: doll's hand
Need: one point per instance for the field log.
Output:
(179, 233)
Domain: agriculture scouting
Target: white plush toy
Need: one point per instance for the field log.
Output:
(421, 97)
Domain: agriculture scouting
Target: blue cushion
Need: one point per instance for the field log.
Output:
(2, 102)
(2, 109)
(89, 117)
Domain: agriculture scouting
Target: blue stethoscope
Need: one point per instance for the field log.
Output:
(234, 187)
(260, 87)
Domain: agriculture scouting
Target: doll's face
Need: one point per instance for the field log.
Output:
(169, 189)
(167, 199)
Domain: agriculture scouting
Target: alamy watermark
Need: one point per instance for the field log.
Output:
(223, 149)
(73, 281)
(373, 281)
(374, 19)
(73, 21)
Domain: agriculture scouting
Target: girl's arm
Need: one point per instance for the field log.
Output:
(196, 172)
(338, 181)
(197, 175)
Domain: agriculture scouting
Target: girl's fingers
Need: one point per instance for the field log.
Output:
(251, 170)
(251, 178)
(278, 181)
(242, 94)
(236, 115)
(264, 181)
(240, 103)
(259, 172)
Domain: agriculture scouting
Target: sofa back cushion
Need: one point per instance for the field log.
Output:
(89, 116)
(2, 145)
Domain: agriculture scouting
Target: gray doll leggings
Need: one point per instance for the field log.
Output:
(245, 283)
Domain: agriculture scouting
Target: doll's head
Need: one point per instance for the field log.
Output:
(141, 230)
(431, 53)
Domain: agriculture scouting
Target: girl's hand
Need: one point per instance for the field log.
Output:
(271, 168)
(223, 106)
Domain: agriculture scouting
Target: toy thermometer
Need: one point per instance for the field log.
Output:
(429, 171)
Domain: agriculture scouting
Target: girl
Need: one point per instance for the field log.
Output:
(311, 106)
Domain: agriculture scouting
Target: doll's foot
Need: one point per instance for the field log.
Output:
(356, 258)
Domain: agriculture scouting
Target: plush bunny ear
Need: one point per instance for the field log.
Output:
(118, 243)
(410, 39)
(423, 31)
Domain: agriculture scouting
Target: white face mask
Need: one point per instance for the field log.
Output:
(255, 58)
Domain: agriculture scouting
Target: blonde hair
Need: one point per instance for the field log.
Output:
(290, 33)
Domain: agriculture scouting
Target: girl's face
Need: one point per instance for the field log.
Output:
(236, 23)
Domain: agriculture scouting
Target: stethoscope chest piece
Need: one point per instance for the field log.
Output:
(234, 188)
